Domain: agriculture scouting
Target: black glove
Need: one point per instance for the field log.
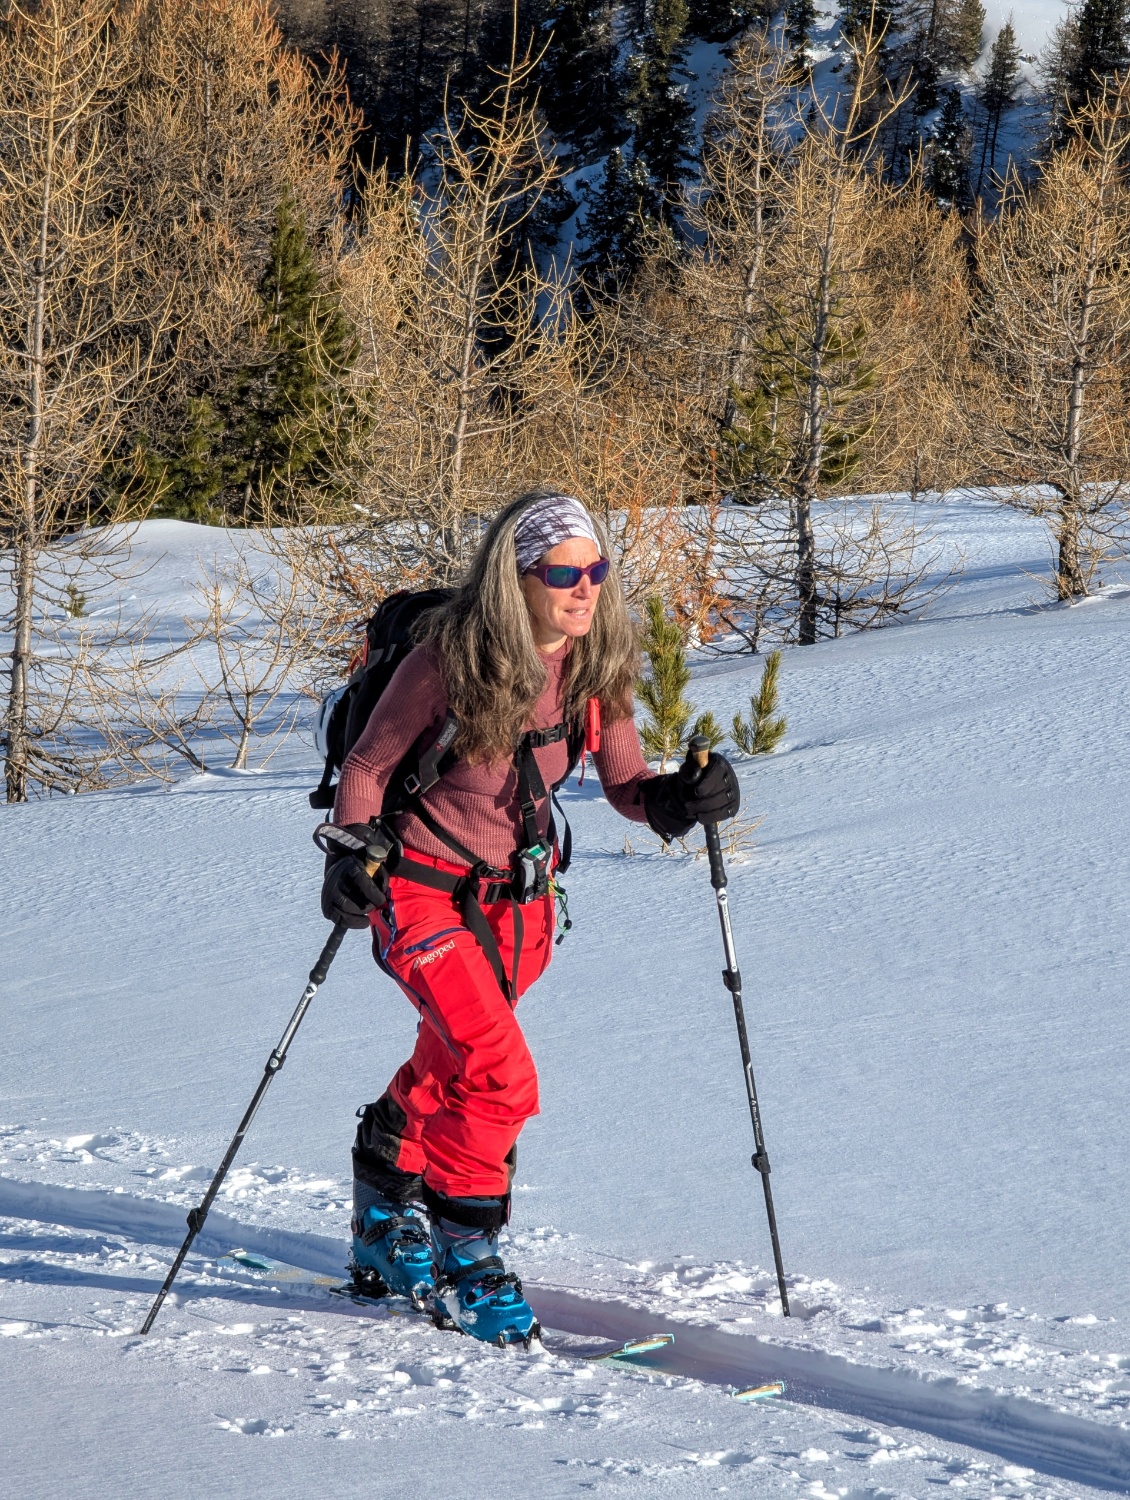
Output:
(690, 795)
(349, 893)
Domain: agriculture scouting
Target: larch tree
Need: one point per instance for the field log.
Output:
(80, 312)
(739, 208)
(804, 417)
(1052, 327)
(225, 124)
(461, 337)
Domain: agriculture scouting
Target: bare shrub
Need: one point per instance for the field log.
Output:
(262, 629)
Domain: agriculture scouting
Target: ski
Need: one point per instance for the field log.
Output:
(630, 1349)
(594, 1351)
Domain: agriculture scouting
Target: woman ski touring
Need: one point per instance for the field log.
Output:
(489, 711)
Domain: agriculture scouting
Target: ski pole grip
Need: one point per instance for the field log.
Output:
(698, 753)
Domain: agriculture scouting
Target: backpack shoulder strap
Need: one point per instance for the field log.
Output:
(417, 774)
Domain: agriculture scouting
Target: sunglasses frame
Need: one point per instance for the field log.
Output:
(539, 571)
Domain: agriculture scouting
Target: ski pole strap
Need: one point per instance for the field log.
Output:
(322, 797)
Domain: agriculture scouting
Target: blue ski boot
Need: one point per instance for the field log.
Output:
(392, 1250)
(474, 1292)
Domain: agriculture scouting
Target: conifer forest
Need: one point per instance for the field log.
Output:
(761, 284)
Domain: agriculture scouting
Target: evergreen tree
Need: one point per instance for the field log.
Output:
(190, 482)
(662, 693)
(280, 408)
(233, 451)
(614, 224)
(966, 32)
(719, 20)
(998, 93)
(948, 171)
(708, 725)
(800, 17)
(579, 86)
(1104, 47)
(766, 728)
(1087, 50)
(856, 16)
(659, 108)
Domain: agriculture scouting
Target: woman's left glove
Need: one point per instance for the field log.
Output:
(690, 795)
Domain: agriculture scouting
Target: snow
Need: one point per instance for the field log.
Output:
(930, 921)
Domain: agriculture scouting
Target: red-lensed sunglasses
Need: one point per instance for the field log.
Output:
(563, 576)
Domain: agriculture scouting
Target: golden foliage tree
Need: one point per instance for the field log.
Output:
(1052, 328)
(80, 319)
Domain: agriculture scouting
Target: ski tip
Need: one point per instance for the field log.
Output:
(642, 1346)
(252, 1262)
(760, 1392)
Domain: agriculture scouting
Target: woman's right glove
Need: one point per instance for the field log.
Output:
(692, 794)
(349, 893)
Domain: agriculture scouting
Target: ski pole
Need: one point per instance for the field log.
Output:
(277, 1058)
(699, 753)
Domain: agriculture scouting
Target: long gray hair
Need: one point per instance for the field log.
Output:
(492, 673)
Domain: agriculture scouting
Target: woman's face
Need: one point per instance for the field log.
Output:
(557, 614)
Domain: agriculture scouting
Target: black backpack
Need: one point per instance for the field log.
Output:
(389, 637)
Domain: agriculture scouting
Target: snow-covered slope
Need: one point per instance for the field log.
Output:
(931, 925)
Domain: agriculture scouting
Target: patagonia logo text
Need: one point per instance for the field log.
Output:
(430, 958)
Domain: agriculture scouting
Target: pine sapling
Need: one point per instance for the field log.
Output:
(708, 725)
(765, 729)
(662, 693)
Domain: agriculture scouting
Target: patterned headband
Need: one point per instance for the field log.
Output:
(554, 519)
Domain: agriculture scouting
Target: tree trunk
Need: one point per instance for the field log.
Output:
(1070, 580)
(740, 351)
(16, 729)
(16, 770)
(240, 761)
(806, 573)
(809, 480)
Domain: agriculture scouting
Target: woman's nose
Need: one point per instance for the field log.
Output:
(584, 588)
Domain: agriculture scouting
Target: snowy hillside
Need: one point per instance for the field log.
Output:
(931, 924)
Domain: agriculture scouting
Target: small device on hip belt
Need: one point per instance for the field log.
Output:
(531, 873)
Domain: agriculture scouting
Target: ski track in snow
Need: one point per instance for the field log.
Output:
(931, 920)
(984, 1378)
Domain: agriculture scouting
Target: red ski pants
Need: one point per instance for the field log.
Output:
(470, 1085)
